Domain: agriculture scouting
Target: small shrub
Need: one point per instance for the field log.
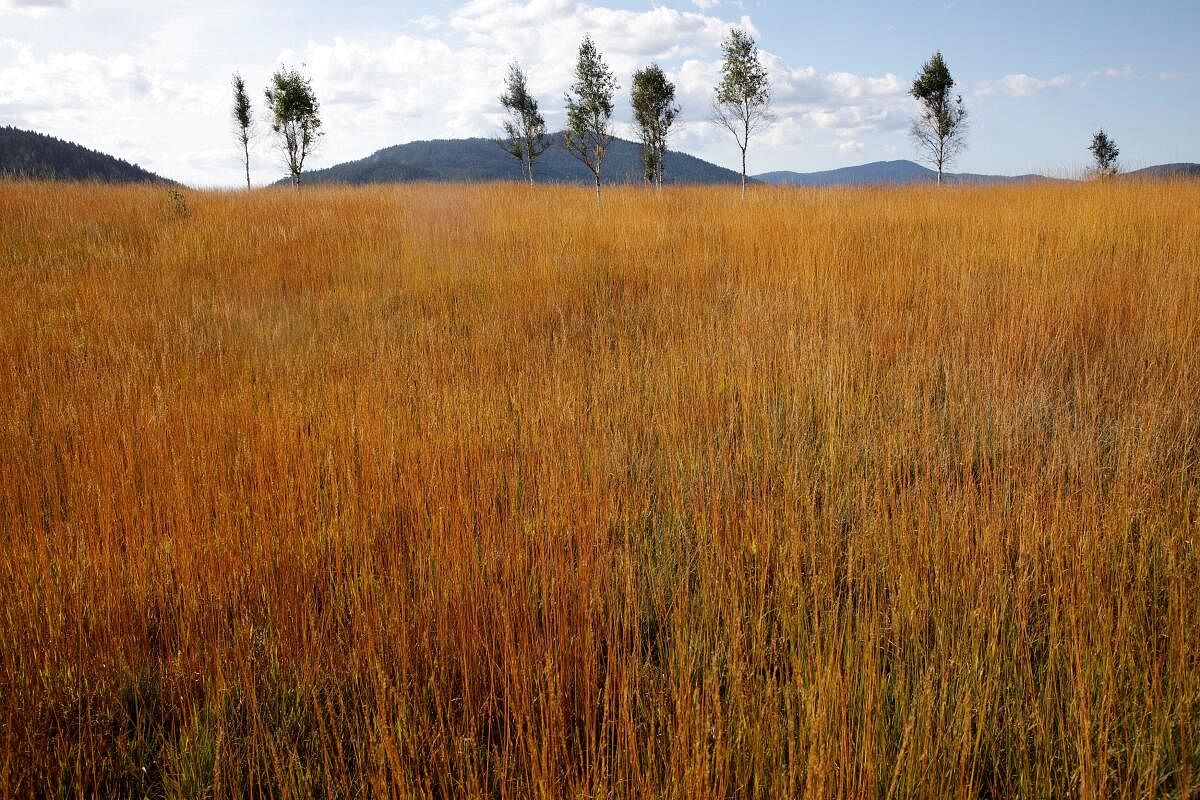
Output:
(176, 204)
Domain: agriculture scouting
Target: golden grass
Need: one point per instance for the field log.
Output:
(468, 491)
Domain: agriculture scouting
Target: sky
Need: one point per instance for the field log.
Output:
(148, 80)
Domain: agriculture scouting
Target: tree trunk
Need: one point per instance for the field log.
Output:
(939, 183)
(743, 172)
(597, 189)
(246, 147)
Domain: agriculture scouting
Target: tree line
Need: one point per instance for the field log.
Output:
(741, 105)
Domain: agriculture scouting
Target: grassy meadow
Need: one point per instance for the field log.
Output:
(472, 491)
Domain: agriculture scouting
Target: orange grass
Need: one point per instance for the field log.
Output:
(449, 491)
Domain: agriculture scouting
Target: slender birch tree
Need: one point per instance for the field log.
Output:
(590, 110)
(1104, 151)
(525, 136)
(940, 127)
(296, 118)
(243, 119)
(743, 97)
(654, 111)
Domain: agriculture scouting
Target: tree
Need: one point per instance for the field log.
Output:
(244, 120)
(743, 97)
(1105, 151)
(525, 136)
(296, 117)
(589, 110)
(940, 128)
(654, 111)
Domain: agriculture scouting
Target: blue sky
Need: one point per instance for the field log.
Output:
(148, 79)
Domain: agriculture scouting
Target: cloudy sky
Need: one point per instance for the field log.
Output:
(148, 80)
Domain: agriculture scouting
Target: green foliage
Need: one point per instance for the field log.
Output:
(1105, 151)
(525, 136)
(654, 111)
(590, 109)
(743, 97)
(243, 118)
(940, 127)
(744, 80)
(296, 117)
(241, 104)
(934, 83)
(176, 205)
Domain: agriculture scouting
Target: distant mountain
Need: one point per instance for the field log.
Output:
(482, 160)
(882, 172)
(908, 172)
(1166, 171)
(25, 154)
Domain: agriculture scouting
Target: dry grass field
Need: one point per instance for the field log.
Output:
(458, 492)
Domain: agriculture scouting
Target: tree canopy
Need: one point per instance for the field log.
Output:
(296, 117)
(940, 128)
(1105, 152)
(654, 111)
(590, 110)
(743, 97)
(525, 136)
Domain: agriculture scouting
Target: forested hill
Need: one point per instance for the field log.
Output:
(26, 154)
(482, 160)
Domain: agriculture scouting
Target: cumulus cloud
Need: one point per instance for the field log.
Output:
(446, 83)
(116, 103)
(75, 80)
(34, 8)
(1111, 73)
(1022, 85)
(435, 77)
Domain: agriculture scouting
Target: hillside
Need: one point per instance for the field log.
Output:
(483, 160)
(882, 172)
(26, 154)
(909, 172)
(1166, 171)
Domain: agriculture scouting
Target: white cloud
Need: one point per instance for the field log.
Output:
(427, 22)
(1111, 73)
(118, 104)
(1022, 85)
(841, 102)
(34, 8)
(77, 80)
(436, 77)
(447, 84)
